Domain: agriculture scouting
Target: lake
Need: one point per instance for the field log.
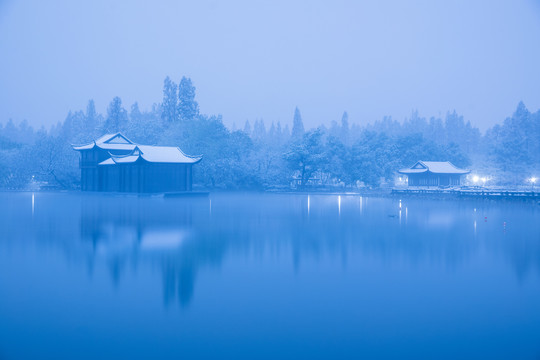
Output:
(249, 276)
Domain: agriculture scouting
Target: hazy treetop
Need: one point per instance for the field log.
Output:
(252, 59)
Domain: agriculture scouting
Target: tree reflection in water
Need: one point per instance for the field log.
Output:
(181, 236)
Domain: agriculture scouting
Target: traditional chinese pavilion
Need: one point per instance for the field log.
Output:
(433, 173)
(115, 163)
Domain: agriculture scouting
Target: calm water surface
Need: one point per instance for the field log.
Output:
(267, 276)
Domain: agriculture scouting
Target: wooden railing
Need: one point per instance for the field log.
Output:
(470, 193)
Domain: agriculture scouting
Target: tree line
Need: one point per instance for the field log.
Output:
(270, 155)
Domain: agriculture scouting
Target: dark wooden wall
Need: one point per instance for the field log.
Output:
(144, 177)
(89, 166)
(430, 179)
(140, 177)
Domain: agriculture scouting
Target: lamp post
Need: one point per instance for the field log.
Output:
(533, 182)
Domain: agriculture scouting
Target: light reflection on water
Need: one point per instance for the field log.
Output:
(235, 275)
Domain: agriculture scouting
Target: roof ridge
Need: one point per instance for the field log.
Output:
(112, 136)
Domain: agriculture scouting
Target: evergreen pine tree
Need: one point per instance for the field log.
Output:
(10, 130)
(135, 112)
(345, 128)
(116, 116)
(272, 131)
(188, 108)
(92, 119)
(169, 105)
(247, 128)
(259, 130)
(298, 125)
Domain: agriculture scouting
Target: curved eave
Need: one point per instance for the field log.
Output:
(458, 172)
(408, 172)
(83, 147)
(113, 161)
(107, 162)
(106, 147)
(117, 161)
(196, 158)
(194, 161)
(118, 147)
(412, 171)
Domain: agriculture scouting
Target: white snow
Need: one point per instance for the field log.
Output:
(165, 154)
(436, 167)
(153, 154)
(115, 141)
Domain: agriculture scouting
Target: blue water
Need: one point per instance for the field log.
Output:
(245, 276)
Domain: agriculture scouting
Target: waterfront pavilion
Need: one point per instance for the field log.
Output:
(433, 173)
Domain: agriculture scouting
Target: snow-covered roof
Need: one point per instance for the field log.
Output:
(435, 167)
(165, 154)
(114, 159)
(115, 141)
(153, 154)
(109, 161)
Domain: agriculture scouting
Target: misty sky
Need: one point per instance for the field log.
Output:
(253, 60)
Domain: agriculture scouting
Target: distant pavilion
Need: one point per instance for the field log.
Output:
(433, 173)
(115, 163)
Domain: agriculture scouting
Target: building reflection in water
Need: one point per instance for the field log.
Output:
(184, 235)
(179, 237)
(148, 230)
